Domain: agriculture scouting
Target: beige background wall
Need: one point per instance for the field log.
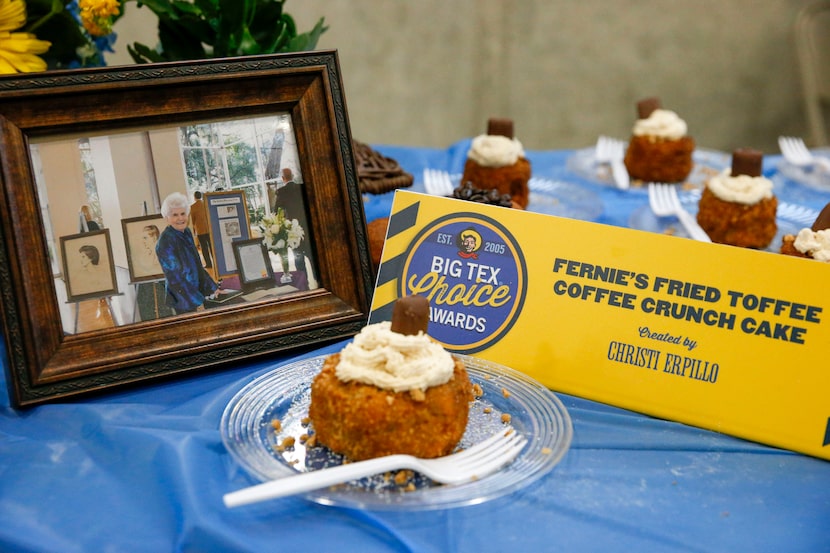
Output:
(431, 72)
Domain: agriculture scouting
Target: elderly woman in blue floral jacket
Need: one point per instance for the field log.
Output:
(188, 284)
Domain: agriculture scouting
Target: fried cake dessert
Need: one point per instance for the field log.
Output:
(738, 207)
(392, 390)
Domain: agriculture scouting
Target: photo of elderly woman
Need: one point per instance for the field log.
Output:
(188, 284)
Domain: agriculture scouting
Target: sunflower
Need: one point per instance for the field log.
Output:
(18, 51)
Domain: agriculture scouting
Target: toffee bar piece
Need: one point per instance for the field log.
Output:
(823, 219)
(410, 315)
(500, 127)
(746, 161)
(646, 106)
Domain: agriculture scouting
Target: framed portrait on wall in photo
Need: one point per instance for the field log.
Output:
(228, 219)
(88, 268)
(140, 237)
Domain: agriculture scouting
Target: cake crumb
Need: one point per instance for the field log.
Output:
(505, 418)
(311, 442)
(505, 392)
(305, 421)
(410, 487)
(477, 390)
(417, 394)
(487, 410)
(303, 438)
(286, 444)
(402, 477)
(546, 451)
(276, 424)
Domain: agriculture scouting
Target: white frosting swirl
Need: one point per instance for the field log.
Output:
(394, 361)
(489, 150)
(741, 189)
(662, 123)
(815, 244)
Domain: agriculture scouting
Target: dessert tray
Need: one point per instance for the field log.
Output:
(790, 218)
(283, 394)
(707, 163)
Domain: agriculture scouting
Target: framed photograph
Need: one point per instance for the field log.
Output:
(253, 264)
(140, 237)
(123, 139)
(228, 219)
(88, 268)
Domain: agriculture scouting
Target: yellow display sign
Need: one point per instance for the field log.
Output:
(719, 337)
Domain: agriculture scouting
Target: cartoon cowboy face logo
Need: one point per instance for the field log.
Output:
(469, 241)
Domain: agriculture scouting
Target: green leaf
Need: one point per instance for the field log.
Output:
(209, 8)
(178, 43)
(226, 28)
(158, 7)
(232, 14)
(189, 8)
(231, 27)
(268, 28)
(306, 41)
(142, 54)
(65, 35)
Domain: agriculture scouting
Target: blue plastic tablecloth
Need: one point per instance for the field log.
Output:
(144, 469)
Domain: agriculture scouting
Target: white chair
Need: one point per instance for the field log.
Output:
(812, 42)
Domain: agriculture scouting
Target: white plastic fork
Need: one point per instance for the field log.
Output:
(664, 202)
(796, 152)
(437, 183)
(473, 463)
(612, 152)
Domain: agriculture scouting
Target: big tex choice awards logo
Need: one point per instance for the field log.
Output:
(474, 274)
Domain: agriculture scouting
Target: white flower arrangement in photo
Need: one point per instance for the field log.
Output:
(280, 233)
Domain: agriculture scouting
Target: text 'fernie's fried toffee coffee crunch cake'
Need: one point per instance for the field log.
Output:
(738, 206)
(496, 160)
(659, 149)
(392, 390)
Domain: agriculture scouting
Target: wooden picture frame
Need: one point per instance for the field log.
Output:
(44, 362)
(88, 266)
(140, 237)
(253, 264)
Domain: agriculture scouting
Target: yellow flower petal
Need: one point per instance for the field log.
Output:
(12, 14)
(5, 67)
(24, 43)
(18, 52)
(20, 63)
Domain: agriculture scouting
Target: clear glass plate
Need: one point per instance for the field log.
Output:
(284, 394)
(790, 219)
(706, 164)
(564, 199)
(812, 177)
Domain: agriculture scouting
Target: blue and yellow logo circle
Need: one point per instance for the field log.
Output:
(474, 274)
